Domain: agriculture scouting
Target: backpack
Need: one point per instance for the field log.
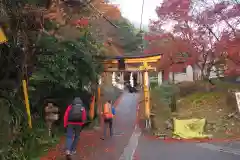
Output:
(107, 111)
(75, 114)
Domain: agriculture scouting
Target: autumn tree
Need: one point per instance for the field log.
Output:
(56, 57)
(174, 59)
(205, 26)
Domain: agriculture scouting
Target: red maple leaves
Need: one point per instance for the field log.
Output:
(206, 31)
(229, 48)
(83, 22)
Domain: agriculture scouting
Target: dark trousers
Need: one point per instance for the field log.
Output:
(108, 124)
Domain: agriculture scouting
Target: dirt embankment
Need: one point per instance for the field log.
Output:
(217, 104)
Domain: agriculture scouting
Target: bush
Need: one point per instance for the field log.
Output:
(167, 94)
(61, 72)
(24, 143)
(187, 88)
(153, 85)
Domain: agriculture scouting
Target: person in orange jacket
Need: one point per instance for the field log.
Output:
(108, 114)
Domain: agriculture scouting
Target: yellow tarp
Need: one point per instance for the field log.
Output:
(189, 128)
(3, 38)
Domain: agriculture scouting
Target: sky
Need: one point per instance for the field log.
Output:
(131, 9)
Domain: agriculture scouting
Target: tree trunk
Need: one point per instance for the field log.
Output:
(173, 103)
(173, 78)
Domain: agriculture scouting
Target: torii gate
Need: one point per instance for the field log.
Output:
(143, 64)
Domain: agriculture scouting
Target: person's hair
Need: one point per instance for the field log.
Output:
(109, 101)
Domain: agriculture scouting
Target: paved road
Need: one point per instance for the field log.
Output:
(124, 124)
(149, 149)
(140, 147)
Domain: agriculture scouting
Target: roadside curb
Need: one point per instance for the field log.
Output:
(137, 124)
(194, 140)
(202, 140)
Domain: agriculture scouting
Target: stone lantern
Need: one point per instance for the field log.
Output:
(51, 115)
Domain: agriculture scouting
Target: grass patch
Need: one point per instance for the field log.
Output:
(30, 144)
(44, 142)
(43, 149)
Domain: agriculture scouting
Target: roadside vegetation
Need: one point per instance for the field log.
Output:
(55, 47)
(195, 100)
(211, 47)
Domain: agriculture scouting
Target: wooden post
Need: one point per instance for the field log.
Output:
(99, 100)
(92, 107)
(25, 92)
(3, 37)
(146, 94)
(145, 68)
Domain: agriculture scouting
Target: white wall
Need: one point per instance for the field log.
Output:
(192, 73)
(179, 77)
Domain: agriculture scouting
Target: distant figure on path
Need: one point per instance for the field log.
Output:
(108, 114)
(74, 119)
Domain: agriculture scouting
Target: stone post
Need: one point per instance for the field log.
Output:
(138, 77)
(159, 78)
(114, 79)
(122, 81)
(131, 80)
(141, 79)
(51, 116)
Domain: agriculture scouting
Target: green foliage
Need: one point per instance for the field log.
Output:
(68, 64)
(30, 143)
(17, 141)
(63, 69)
(153, 84)
(56, 69)
(128, 35)
(166, 92)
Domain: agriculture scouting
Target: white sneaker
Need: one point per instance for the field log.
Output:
(73, 152)
(68, 152)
